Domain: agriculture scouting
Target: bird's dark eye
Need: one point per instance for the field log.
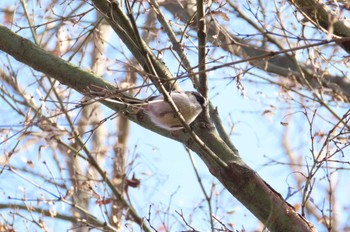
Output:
(199, 98)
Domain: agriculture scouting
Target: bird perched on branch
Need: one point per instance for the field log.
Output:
(189, 103)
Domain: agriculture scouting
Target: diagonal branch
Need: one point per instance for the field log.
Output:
(240, 180)
(283, 65)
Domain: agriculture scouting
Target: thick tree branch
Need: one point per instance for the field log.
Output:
(240, 180)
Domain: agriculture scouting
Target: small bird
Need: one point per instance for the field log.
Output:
(190, 104)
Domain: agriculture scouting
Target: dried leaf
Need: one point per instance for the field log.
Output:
(284, 123)
(104, 201)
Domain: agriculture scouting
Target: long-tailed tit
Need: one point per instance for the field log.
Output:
(190, 104)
